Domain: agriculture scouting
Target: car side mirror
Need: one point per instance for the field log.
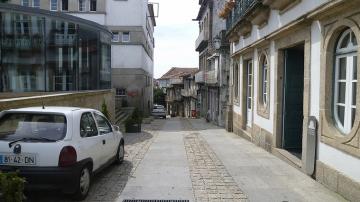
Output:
(116, 128)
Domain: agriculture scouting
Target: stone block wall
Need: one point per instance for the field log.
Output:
(85, 99)
(337, 181)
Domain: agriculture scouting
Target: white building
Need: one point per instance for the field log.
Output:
(295, 72)
(132, 24)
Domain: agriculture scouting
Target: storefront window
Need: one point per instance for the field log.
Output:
(66, 56)
(22, 55)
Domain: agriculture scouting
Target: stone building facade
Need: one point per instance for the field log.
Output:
(294, 73)
(132, 48)
(214, 66)
(181, 91)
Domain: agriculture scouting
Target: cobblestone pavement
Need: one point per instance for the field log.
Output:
(189, 159)
(210, 179)
(110, 182)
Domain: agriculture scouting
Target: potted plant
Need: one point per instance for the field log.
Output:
(133, 123)
(105, 110)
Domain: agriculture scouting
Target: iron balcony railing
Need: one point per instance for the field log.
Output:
(211, 77)
(202, 38)
(176, 81)
(191, 92)
(242, 8)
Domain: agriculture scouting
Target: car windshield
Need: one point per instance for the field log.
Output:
(159, 107)
(14, 126)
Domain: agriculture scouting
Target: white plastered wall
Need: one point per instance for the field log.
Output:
(98, 18)
(278, 20)
(264, 123)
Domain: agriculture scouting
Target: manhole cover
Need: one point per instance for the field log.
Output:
(142, 200)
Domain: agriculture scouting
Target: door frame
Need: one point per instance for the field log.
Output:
(301, 36)
(243, 94)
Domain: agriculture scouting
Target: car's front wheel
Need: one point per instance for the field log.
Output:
(120, 153)
(83, 183)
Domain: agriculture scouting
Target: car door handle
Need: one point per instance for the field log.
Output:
(104, 142)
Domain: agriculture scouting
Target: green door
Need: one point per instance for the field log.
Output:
(293, 99)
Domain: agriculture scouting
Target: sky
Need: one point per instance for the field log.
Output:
(175, 35)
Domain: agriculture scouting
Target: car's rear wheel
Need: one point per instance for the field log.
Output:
(120, 153)
(84, 183)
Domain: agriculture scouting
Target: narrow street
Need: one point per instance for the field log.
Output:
(189, 159)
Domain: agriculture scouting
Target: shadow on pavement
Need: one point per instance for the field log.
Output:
(133, 138)
(106, 186)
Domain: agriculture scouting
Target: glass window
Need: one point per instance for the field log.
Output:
(62, 60)
(88, 56)
(82, 5)
(105, 69)
(345, 81)
(103, 124)
(264, 85)
(115, 37)
(36, 3)
(120, 92)
(42, 127)
(126, 37)
(22, 52)
(87, 125)
(25, 3)
(78, 56)
(64, 5)
(92, 5)
(53, 5)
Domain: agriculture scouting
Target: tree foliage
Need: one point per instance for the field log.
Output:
(159, 96)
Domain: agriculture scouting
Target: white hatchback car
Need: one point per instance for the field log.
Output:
(58, 147)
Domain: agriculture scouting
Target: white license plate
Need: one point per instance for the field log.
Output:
(18, 159)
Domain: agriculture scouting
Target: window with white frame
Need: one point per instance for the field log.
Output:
(64, 5)
(92, 5)
(264, 85)
(120, 92)
(115, 36)
(25, 3)
(82, 5)
(345, 81)
(36, 3)
(125, 37)
(53, 5)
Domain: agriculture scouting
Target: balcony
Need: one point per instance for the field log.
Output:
(189, 93)
(199, 77)
(175, 81)
(242, 9)
(211, 77)
(173, 97)
(202, 40)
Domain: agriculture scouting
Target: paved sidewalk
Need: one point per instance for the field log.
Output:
(262, 176)
(163, 173)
